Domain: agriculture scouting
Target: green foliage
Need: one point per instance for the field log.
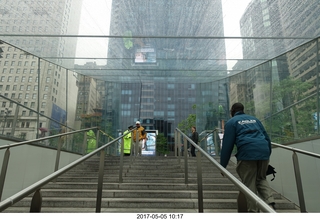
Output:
(186, 124)
(294, 122)
(127, 41)
(161, 144)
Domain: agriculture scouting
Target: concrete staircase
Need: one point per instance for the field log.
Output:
(150, 185)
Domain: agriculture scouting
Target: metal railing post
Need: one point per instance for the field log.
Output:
(4, 169)
(176, 142)
(84, 144)
(56, 167)
(100, 182)
(298, 182)
(179, 147)
(185, 146)
(136, 146)
(216, 142)
(199, 180)
(36, 202)
(121, 160)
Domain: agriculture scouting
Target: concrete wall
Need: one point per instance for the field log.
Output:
(285, 182)
(28, 164)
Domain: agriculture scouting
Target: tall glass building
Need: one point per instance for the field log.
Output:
(165, 60)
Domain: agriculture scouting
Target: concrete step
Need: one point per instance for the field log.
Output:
(150, 184)
(160, 203)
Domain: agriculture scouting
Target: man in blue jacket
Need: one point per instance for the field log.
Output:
(253, 152)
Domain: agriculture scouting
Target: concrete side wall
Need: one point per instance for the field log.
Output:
(285, 182)
(28, 164)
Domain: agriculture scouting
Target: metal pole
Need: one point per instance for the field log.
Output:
(199, 180)
(36, 202)
(56, 167)
(84, 144)
(298, 182)
(176, 142)
(136, 149)
(38, 101)
(100, 182)
(185, 144)
(4, 169)
(121, 161)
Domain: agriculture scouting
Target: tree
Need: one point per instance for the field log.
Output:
(161, 144)
(187, 123)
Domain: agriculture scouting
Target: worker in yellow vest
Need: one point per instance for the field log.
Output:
(127, 142)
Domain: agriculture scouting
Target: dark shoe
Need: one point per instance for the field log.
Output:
(272, 205)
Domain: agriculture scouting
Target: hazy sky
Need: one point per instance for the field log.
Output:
(95, 20)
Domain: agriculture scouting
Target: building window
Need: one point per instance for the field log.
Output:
(24, 113)
(33, 104)
(34, 96)
(48, 79)
(43, 105)
(21, 87)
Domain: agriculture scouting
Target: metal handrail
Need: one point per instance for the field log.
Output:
(37, 186)
(5, 161)
(297, 170)
(247, 192)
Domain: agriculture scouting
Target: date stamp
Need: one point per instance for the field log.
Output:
(159, 216)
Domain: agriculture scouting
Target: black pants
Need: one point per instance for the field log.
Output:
(193, 151)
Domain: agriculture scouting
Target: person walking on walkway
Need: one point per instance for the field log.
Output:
(142, 135)
(195, 139)
(127, 142)
(253, 153)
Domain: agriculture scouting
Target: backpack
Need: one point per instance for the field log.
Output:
(271, 170)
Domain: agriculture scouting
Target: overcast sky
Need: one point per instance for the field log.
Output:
(95, 20)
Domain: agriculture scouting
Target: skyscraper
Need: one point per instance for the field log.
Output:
(166, 52)
(24, 75)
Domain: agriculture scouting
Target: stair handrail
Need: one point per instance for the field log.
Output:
(245, 190)
(36, 187)
(6, 158)
(296, 168)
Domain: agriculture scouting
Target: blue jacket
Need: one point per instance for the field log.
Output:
(250, 137)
